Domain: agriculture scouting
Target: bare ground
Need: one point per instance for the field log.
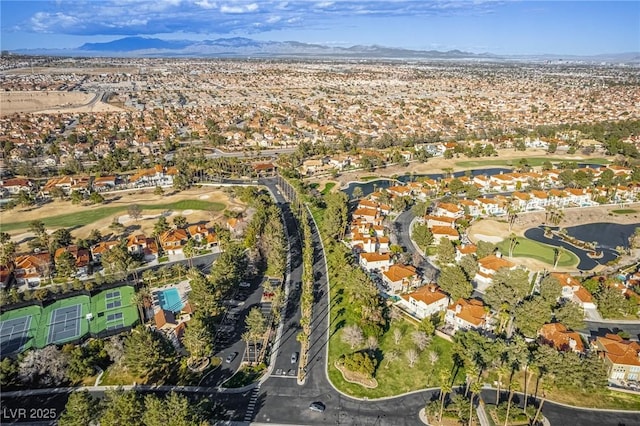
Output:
(51, 102)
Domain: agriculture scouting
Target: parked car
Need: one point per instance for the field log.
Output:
(231, 357)
(317, 406)
(245, 284)
(294, 357)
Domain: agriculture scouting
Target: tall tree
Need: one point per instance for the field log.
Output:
(197, 338)
(509, 288)
(453, 281)
(335, 216)
(571, 315)
(146, 353)
(422, 236)
(445, 388)
(173, 410)
(7, 248)
(80, 410)
(121, 408)
(550, 289)
(531, 315)
(446, 251)
(66, 265)
(470, 266)
(160, 226)
(256, 325)
(134, 211)
(476, 387)
(180, 221)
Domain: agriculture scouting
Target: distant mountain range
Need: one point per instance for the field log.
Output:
(240, 47)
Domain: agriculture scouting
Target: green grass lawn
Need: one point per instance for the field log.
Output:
(393, 378)
(538, 251)
(328, 187)
(90, 215)
(624, 211)
(533, 161)
(245, 376)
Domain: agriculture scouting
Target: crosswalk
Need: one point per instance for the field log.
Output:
(248, 415)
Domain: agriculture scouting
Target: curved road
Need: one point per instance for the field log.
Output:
(281, 400)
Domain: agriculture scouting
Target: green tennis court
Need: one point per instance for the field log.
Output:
(113, 309)
(67, 320)
(18, 329)
(64, 321)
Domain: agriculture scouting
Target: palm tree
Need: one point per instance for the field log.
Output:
(139, 299)
(148, 276)
(189, 251)
(544, 386)
(513, 242)
(557, 254)
(445, 388)
(179, 269)
(472, 373)
(476, 387)
(513, 382)
(502, 370)
(531, 369)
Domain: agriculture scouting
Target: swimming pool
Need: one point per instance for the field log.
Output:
(169, 300)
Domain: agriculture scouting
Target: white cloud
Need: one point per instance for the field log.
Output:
(251, 7)
(206, 4)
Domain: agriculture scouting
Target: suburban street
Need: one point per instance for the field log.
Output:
(282, 400)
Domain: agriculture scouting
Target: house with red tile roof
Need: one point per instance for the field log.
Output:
(367, 214)
(173, 240)
(573, 291)
(464, 250)
(489, 265)
(622, 357)
(14, 185)
(449, 210)
(466, 314)
(203, 235)
(375, 261)
(141, 245)
(32, 269)
(80, 255)
(432, 221)
(400, 277)
(424, 302)
(97, 250)
(561, 338)
(445, 232)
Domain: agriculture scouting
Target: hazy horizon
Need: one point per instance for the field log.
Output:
(504, 28)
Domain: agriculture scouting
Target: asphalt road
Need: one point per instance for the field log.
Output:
(282, 400)
(284, 369)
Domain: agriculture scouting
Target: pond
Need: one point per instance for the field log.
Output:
(607, 235)
(368, 187)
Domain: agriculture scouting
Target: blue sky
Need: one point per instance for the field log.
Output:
(502, 27)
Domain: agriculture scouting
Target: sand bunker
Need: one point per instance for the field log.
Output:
(488, 238)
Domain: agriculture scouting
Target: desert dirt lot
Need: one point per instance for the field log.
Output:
(494, 231)
(52, 102)
(125, 199)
